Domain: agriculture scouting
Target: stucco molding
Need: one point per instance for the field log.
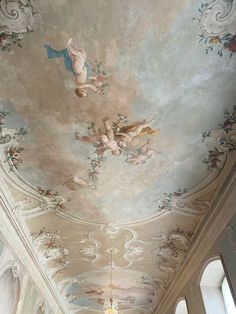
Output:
(20, 244)
(218, 17)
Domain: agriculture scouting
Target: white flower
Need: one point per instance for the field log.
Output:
(135, 251)
(98, 84)
(90, 251)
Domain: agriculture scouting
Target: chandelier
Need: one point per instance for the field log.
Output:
(111, 306)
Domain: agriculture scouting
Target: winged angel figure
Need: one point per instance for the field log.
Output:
(75, 62)
(118, 140)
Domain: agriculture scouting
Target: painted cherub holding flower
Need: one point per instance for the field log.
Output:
(85, 77)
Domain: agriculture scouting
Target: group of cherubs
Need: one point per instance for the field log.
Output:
(121, 140)
(117, 141)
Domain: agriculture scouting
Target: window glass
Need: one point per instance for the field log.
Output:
(181, 307)
(228, 299)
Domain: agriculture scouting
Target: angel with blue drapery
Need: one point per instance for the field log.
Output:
(75, 62)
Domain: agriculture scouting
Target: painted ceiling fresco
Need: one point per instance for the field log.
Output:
(117, 129)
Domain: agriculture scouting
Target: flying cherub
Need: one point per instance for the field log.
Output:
(139, 128)
(109, 140)
(75, 62)
(104, 140)
(117, 140)
(141, 155)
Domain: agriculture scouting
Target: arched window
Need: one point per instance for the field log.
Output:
(215, 290)
(181, 307)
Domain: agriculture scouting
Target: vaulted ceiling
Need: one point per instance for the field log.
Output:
(124, 177)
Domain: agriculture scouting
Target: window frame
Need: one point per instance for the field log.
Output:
(217, 257)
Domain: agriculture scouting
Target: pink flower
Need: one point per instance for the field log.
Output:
(100, 78)
(3, 42)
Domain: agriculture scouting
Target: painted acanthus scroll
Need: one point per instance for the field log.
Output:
(219, 17)
(169, 254)
(11, 152)
(124, 251)
(52, 201)
(52, 256)
(13, 136)
(221, 141)
(16, 18)
(35, 201)
(218, 25)
(178, 201)
(4, 138)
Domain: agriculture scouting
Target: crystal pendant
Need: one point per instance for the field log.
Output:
(110, 307)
